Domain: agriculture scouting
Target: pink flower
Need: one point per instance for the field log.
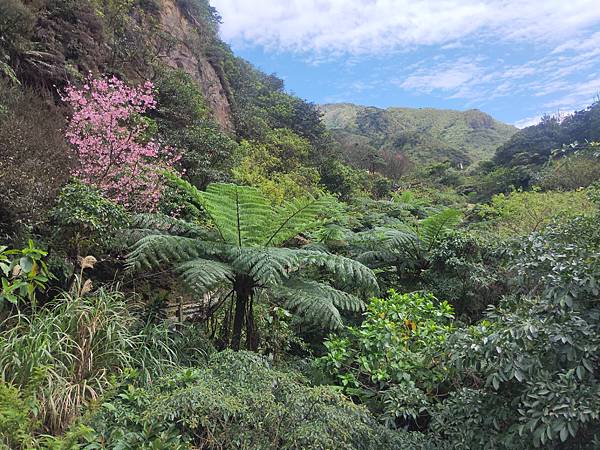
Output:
(112, 154)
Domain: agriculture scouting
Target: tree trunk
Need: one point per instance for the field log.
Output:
(243, 295)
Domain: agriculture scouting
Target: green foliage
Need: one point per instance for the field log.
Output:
(422, 136)
(278, 167)
(244, 257)
(530, 370)
(237, 401)
(468, 270)
(521, 213)
(85, 220)
(573, 167)
(67, 354)
(533, 146)
(406, 248)
(24, 274)
(184, 122)
(390, 360)
(16, 425)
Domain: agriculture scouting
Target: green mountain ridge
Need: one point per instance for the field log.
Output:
(421, 135)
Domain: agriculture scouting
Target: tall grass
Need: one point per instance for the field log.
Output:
(66, 355)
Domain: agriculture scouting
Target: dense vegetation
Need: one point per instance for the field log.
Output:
(189, 260)
(372, 138)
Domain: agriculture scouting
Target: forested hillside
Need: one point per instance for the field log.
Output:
(190, 259)
(370, 136)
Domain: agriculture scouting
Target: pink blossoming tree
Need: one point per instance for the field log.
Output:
(109, 133)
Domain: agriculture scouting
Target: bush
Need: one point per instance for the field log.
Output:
(390, 360)
(530, 372)
(521, 213)
(16, 426)
(467, 270)
(238, 401)
(85, 221)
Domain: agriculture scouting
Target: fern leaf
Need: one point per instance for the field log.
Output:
(267, 265)
(317, 303)
(433, 228)
(299, 215)
(347, 271)
(152, 251)
(203, 275)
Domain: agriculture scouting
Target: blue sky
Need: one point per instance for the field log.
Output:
(515, 59)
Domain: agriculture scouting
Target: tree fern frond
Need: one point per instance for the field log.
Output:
(378, 258)
(346, 270)
(167, 225)
(193, 193)
(203, 275)
(152, 251)
(239, 212)
(433, 228)
(267, 265)
(299, 215)
(316, 303)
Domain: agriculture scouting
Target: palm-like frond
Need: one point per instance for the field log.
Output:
(152, 251)
(266, 265)
(238, 212)
(434, 227)
(244, 216)
(317, 303)
(347, 271)
(203, 275)
(160, 223)
(299, 215)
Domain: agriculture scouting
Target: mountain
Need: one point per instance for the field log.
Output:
(419, 136)
(532, 146)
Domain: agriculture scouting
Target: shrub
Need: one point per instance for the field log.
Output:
(16, 426)
(23, 274)
(390, 360)
(467, 270)
(238, 401)
(521, 213)
(84, 220)
(530, 371)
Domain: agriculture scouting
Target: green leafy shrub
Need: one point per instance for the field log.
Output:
(85, 220)
(238, 401)
(530, 371)
(390, 361)
(468, 270)
(184, 122)
(521, 213)
(24, 275)
(16, 425)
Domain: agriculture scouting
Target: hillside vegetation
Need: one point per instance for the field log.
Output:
(421, 136)
(189, 259)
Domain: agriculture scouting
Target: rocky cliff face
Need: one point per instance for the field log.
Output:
(186, 54)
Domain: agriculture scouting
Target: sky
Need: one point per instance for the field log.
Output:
(514, 59)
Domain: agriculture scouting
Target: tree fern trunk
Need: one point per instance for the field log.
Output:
(243, 294)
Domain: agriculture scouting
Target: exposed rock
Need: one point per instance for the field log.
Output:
(186, 54)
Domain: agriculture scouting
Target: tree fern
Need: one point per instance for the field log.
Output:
(318, 303)
(245, 255)
(404, 247)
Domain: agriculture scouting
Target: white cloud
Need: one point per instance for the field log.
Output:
(379, 26)
(450, 77)
(528, 121)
